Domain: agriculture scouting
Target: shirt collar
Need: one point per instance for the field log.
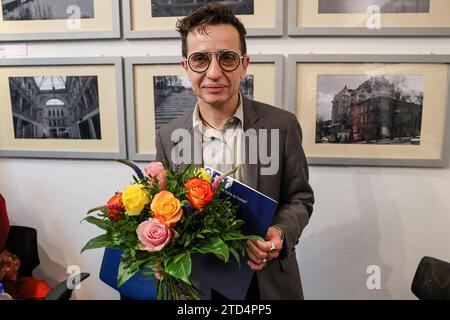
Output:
(198, 123)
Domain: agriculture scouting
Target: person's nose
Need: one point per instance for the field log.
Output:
(214, 71)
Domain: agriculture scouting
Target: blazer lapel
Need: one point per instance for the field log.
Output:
(196, 154)
(251, 127)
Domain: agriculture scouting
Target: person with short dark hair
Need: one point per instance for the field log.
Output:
(215, 60)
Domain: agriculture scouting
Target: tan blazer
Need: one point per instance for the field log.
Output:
(280, 279)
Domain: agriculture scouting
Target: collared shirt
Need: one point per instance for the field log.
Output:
(222, 149)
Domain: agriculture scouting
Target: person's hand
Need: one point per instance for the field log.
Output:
(260, 252)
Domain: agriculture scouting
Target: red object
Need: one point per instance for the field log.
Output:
(116, 200)
(24, 288)
(4, 223)
(27, 288)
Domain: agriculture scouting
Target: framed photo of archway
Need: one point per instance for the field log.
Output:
(387, 110)
(157, 18)
(369, 18)
(158, 91)
(62, 108)
(59, 20)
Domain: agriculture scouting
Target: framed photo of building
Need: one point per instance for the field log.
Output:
(62, 108)
(24, 20)
(157, 18)
(391, 110)
(369, 18)
(158, 91)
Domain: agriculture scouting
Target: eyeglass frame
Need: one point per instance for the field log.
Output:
(217, 54)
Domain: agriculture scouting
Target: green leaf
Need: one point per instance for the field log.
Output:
(180, 267)
(233, 236)
(125, 272)
(101, 208)
(101, 223)
(236, 256)
(254, 238)
(101, 241)
(216, 246)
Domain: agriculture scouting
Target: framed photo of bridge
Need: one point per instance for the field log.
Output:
(25, 20)
(157, 18)
(158, 92)
(369, 18)
(391, 110)
(62, 108)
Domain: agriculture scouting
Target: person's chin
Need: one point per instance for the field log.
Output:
(214, 99)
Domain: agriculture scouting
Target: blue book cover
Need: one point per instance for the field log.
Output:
(257, 210)
(138, 287)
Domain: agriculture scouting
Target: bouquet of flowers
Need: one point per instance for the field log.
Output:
(164, 217)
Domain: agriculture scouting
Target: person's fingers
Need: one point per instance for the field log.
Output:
(262, 245)
(255, 258)
(256, 250)
(255, 266)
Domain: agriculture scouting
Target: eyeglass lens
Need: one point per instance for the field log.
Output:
(200, 61)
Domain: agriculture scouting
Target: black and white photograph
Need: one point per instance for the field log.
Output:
(55, 107)
(174, 96)
(383, 6)
(47, 9)
(358, 109)
(178, 8)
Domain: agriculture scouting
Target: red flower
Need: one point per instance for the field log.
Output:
(200, 192)
(115, 206)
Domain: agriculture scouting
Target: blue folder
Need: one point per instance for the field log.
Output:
(257, 210)
(138, 287)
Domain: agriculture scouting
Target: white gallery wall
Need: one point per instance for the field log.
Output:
(364, 217)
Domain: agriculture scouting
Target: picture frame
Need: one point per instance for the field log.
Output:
(62, 108)
(348, 18)
(151, 97)
(267, 19)
(59, 20)
(380, 110)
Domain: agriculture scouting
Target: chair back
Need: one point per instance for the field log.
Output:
(22, 241)
(432, 280)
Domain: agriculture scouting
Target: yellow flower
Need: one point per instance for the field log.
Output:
(166, 208)
(202, 174)
(134, 198)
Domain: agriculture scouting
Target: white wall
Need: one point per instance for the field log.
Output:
(363, 216)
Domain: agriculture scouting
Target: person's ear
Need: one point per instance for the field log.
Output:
(184, 65)
(245, 63)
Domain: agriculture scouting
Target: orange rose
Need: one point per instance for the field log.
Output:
(115, 204)
(200, 192)
(166, 208)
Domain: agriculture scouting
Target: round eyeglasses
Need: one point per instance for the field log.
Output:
(228, 60)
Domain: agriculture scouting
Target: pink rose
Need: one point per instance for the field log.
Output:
(156, 170)
(153, 235)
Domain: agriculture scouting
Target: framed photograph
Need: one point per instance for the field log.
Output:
(24, 20)
(157, 18)
(62, 108)
(369, 18)
(390, 110)
(158, 91)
